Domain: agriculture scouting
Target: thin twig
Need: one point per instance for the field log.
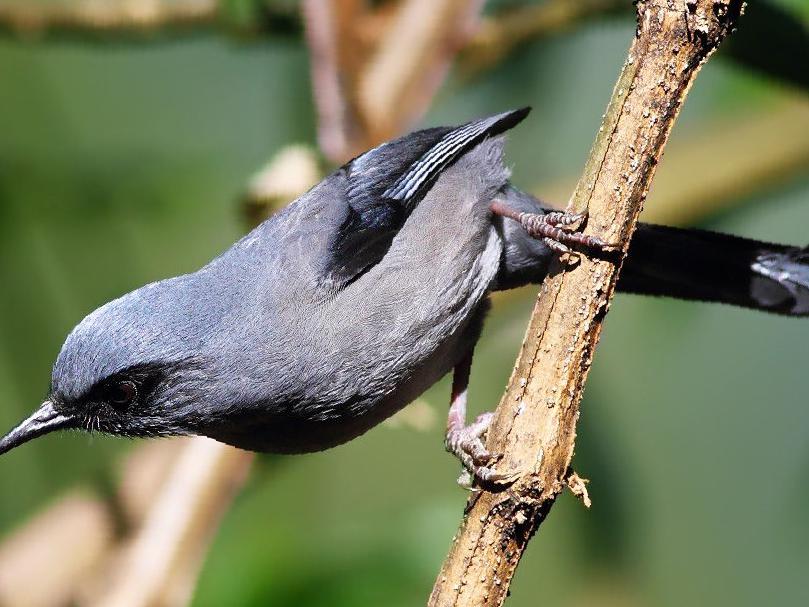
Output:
(535, 424)
(331, 39)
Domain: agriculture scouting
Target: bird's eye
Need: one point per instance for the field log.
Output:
(122, 393)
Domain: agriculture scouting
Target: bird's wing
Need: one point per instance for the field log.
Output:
(385, 184)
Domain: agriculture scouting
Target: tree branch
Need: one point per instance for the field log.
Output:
(691, 186)
(411, 62)
(332, 41)
(172, 543)
(114, 16)
(535, 424)
(375, 70)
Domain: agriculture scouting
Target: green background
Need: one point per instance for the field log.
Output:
(122, 163)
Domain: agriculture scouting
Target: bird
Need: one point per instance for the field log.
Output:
(346, 305)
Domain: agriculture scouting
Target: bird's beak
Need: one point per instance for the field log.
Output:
(45, 419)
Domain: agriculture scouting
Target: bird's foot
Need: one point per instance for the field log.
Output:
(466, 443)
(558, 229)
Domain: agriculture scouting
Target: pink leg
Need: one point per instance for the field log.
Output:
(465, 442)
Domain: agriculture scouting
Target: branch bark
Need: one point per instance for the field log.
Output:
(535, 423)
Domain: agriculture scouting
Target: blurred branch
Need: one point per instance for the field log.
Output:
(37, 18)
(51, 559)
(291, 172)
(376, 70)
(499, 36)
(160, 564)
(332, 40)
(142, 475)
(411, 62)
(535, 424)
(145, 20)
(485, 46)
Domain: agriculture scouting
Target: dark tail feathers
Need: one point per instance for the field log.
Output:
(676, 262)
(700, 265)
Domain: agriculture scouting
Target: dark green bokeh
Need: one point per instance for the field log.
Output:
(123, 164)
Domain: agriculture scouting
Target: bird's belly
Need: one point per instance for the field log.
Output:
(369, 353)
(314, 425)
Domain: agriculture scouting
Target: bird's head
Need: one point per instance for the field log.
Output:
(131, 368)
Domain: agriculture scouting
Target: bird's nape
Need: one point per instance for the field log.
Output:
(44, 420)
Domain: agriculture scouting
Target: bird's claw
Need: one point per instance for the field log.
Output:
(467, 445)
(558, 230)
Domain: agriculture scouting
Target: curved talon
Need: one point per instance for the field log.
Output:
(503, 478)
(490, 475)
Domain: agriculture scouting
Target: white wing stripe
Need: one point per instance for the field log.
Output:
(437, 158)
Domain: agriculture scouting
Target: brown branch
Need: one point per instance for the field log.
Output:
(53, 558)
(286, 176)
(411, 62)
(375, 70)
(535, 424)
(29, 18)
(159, 566)
(691, 186)
(332, 40)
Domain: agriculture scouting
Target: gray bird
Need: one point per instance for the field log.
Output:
(342, 308)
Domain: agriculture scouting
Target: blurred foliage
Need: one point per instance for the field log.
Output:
(123, 164)
(755, 46)
(752, 47)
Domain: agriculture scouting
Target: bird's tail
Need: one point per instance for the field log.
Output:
(676, 262)
(701, 265)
